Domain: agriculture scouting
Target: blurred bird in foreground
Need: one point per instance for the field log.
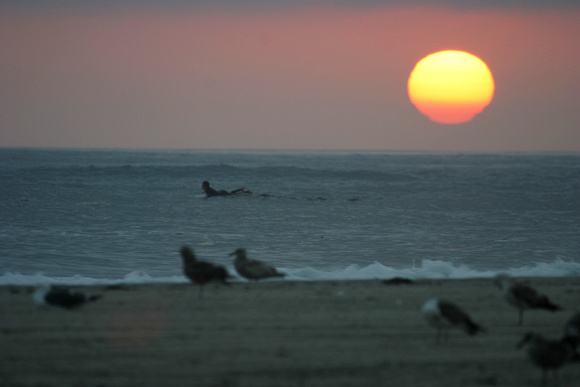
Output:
(443, 315)
(572, 330)
(200, 272)
(523, 296)
(47, 295)
(549, 355)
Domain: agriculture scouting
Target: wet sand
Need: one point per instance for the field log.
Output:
(277, 333)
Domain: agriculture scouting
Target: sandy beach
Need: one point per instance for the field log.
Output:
(277, 333)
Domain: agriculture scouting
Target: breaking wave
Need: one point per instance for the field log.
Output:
(427, 269)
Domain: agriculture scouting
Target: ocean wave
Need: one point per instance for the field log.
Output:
(427, 269)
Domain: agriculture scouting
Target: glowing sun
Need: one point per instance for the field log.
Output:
(451, 87)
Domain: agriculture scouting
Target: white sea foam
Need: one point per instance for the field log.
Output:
(428, 269)
(135, 277)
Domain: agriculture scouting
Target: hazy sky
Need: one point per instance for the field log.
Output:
(281, 74)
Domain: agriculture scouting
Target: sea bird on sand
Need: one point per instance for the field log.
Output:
(201, 272)
(62, 297)
(572, 330)
(443, 315)
(548, 354)
(523, 296)
(253, 269)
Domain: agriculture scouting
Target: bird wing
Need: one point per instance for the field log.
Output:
(530, 298)
(259, 269)
(203, 266)
(452, 313)
(205, 271)
(525, 294)
(65, 298)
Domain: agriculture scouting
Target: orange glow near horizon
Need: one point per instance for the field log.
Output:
(451, 87)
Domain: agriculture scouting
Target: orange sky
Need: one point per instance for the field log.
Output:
(305, 78)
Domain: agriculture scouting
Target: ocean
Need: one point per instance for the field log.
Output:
(120, 216)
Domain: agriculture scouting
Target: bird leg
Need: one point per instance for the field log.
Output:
(544, 381)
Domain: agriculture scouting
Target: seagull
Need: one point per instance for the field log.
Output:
(46, 295)
(523, 296)
(253, 269)
(572, 330)
(443, 315)
(201, 272)
(548, 354)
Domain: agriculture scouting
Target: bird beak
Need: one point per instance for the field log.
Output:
(232, 253)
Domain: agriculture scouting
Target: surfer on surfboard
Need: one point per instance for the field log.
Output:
(209, 192)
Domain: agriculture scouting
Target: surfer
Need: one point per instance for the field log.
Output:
(209, 192)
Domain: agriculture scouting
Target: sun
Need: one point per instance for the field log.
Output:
(451, 87)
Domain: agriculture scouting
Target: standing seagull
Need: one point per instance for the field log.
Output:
(46, 295)
(201, 272)
(572, 330)
(548, 354)
(443, 315)
(522, 296)
(253, 269)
